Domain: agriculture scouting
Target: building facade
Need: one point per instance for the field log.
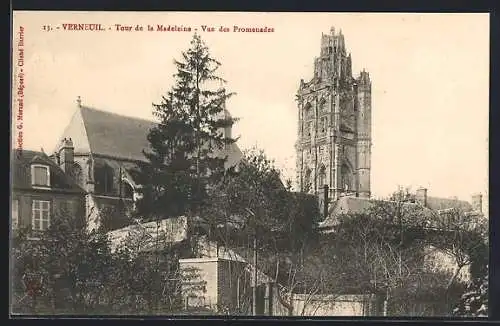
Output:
(40, 191)
(334, 131)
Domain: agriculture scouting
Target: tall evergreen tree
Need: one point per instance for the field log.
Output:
(185, 147)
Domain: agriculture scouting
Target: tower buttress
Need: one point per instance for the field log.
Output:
(364, 132)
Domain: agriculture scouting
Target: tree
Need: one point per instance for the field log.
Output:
(183, 160)
(386, 250)
(70, 263)
(253, 203)
(149, 279)
(462, 236)
(474, 302)
(27, 282)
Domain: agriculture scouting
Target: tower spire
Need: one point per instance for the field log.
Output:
(79, 101)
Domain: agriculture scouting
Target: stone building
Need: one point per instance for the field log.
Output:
(40, 190)
(334, 131)
(103, 148)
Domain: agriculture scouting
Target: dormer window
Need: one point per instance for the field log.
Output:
(40, 175)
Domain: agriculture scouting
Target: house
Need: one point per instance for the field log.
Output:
(40, 190)
(106, 147)
(439, 205)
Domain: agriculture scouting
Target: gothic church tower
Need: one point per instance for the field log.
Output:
(334, 132)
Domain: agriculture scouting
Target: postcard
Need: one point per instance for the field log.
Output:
(249, 164)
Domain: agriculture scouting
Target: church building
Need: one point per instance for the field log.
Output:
(334, 131)
(98, 149)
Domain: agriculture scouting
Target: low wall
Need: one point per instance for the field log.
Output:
(334, 305)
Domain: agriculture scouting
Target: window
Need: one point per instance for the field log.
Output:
(346, 178)
(40, 175)
(322, 176)
(78, 174)
(104, 179)
(66, 207)
(15, 214)
(308, 111)
(324, 124)
(40, 215)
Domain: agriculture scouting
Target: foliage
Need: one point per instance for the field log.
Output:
(386, 250)
(474, 302)
(252, 202)
(71, 262)
(253, 199)
(183, 160)
(70, 269)
(114, 217)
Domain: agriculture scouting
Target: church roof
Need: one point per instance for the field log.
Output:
(101, 132)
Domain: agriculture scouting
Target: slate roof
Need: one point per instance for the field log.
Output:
(101, 132)
(21, 161)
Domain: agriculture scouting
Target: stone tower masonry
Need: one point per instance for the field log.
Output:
(334, 125)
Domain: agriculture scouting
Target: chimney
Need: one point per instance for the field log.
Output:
(66, 154)
(421, 196)
(477, 203)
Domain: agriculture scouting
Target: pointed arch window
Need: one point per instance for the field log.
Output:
(308, 111)
(346, 178)
(322, 176)
(78, 174)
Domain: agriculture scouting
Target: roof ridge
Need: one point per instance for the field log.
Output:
(117, 114)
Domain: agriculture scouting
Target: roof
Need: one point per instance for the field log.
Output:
(356, 205)
(346, 205)
(172, 230)
(21, 161)
(106, 133)
(437, 203)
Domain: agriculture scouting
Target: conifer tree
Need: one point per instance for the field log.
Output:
(184, 156)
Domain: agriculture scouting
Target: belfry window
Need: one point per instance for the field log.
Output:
(322, 176)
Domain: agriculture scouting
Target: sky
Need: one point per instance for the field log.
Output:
(429, 72)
